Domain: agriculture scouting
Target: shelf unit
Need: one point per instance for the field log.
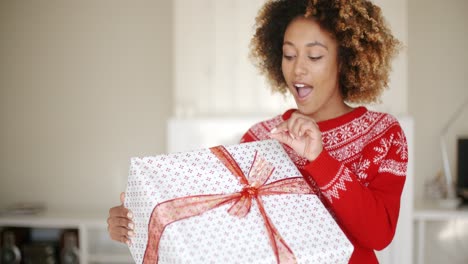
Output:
(95, 246)
(431, 212)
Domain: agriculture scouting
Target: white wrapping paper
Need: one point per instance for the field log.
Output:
(216, 236)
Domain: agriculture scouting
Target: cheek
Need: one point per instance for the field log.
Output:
(287, 76)
(328, 74)
(284, 70)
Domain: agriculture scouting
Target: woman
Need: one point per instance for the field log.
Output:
(328, 53)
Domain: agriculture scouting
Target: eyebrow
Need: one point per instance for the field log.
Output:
(311, 44)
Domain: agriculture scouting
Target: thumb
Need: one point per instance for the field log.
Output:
(122, 197)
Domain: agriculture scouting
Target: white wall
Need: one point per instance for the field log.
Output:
(212, 72)
(84, 85)
(395, 99)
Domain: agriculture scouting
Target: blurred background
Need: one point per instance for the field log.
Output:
(86, 85)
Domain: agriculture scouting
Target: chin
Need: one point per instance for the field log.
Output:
(306, 110)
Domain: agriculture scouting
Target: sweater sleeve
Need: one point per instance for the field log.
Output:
(368, 212)
(248, 137)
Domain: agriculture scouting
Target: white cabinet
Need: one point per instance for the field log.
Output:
(94, 243)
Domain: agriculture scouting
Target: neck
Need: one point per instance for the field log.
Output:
(332, 112)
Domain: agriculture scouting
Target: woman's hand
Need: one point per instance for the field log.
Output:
(119, 222)
(302, 134)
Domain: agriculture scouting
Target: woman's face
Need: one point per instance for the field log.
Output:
(310, 67)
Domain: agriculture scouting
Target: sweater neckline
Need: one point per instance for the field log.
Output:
(334, 122)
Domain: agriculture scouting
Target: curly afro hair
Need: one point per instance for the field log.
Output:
(366, 44)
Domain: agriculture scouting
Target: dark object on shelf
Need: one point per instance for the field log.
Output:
(9, 253)
(70, 253)
(39, 253)
(462, 160)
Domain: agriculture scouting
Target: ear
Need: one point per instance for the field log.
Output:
(338, 58)
(340, 63)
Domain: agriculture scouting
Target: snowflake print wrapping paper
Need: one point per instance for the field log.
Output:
(243, 203)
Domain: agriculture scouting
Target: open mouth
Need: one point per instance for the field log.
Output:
(303, 90)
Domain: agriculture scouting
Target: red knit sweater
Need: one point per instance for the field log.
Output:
(359, 175)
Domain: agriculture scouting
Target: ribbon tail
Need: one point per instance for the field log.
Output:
(296, 185)
(260, 170)
(177, 209)
(283, 253)
(241, 207)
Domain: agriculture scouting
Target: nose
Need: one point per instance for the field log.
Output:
(300, 67)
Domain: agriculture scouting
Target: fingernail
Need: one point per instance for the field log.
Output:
(130, 233)
(129, 215)
(274, 130)
(291, 135)
(128, 242)
(131, 225)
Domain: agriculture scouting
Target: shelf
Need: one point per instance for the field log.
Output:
(95, 245)
(431, 211)
(55, 219)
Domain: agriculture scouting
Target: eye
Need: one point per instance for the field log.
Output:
(288, 57)
(315, 58)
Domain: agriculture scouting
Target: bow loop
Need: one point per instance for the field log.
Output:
(260, 171)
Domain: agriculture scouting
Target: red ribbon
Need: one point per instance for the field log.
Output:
(178, 209)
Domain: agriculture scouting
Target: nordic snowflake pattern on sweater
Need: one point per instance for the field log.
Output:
(347, 143)
(359, 175)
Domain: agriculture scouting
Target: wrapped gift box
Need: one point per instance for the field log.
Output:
(244, 203)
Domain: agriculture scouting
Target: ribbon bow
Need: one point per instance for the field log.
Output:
(254, 187)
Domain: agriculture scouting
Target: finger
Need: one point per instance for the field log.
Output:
(306, 127)
(120, 222)
(282, 127)
(292, 122)
(283, 137)
(118, 238)
(296, 122)
(120, 228)
(121, 234)
(122, 197)
(297, 127)
(313, 131)
(281, 132)
(120, 211)
(301, 119)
